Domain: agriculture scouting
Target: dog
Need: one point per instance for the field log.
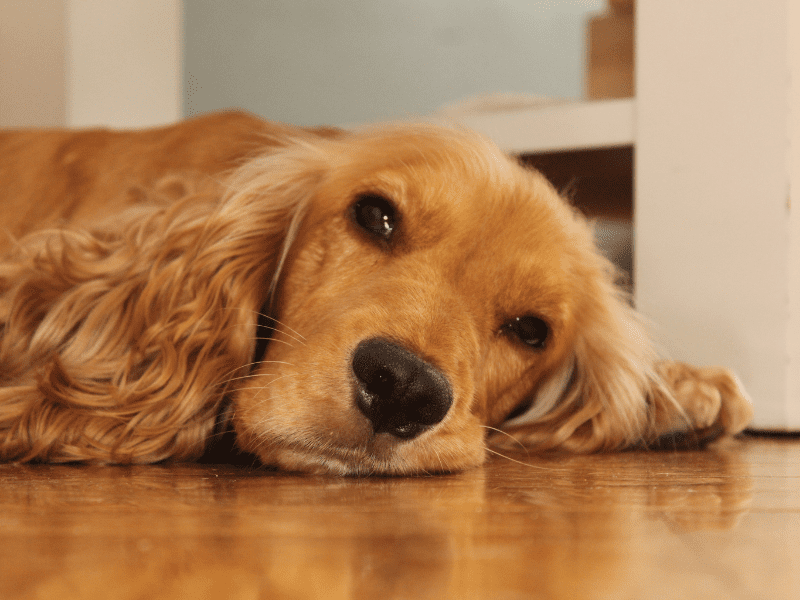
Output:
(400, 300)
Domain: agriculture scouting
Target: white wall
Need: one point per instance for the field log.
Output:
(123, 62)
(351, 61)
(90, 62)
(32, 86)
(792, 400)
(717, 179)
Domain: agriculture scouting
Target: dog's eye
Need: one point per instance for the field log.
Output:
(531, 331)
(375, 214)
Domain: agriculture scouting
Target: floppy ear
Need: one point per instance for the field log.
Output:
(612, 392)
(119, 344)
(598, 398)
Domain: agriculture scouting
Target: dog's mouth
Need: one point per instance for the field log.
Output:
(398, 398)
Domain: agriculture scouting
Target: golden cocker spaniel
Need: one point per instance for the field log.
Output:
(398, 300)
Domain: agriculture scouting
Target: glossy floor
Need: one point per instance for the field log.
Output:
(720, 523)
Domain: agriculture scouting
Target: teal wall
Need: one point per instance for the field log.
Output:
(352, 61)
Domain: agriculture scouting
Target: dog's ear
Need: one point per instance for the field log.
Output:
(599, 398)
(119, 344)
(612, 392)
(269, 195)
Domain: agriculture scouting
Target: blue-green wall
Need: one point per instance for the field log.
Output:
(351, 61)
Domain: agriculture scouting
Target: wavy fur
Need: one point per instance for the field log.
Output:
(125, 333)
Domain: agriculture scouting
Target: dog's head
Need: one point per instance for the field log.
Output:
(428, 291)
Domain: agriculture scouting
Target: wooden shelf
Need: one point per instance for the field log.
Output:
(598, 181)
(558, 127)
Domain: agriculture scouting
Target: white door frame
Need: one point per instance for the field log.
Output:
(717, 170)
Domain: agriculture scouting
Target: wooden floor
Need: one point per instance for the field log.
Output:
(720, 523)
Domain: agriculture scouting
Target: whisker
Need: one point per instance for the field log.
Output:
(261, 388)
(505, 433)
(441, 462)
(300, 338)
(275, 329)
(285, 325)
(223, 379)
(248, 376)
(519, 462)
(270, 339)
(275, 362)
(256, 337)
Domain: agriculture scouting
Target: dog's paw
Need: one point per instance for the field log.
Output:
(711, 402)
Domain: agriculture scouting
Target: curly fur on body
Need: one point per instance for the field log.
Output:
(130, 321)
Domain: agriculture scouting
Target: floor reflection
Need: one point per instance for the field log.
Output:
(605, 526)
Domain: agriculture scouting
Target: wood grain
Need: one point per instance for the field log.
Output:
(720, 523)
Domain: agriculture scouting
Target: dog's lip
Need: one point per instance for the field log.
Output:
(380, 448)
(345, 462)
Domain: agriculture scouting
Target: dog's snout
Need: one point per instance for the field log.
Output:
(397, 391)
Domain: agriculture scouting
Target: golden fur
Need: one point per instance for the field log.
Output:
(136, 264)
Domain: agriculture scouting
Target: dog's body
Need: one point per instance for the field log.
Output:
(423, 290)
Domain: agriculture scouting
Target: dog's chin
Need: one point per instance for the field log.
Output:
(383, 456)
(299, 461)
(304, 461)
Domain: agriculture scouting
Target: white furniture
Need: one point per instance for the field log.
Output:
(559, 127)
(718, 190)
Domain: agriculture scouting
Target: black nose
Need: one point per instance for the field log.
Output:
(397, 391)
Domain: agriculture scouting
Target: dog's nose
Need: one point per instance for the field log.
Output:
(397, 391)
